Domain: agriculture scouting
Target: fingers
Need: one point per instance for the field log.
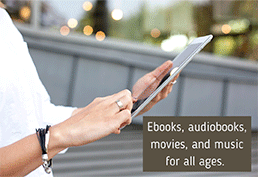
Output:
(166, 90)
(170, 89)
(127, 103)
(124, 98)
(123, 118)
(175, 78)
(120, 94)
(164, 93)
(162, 70)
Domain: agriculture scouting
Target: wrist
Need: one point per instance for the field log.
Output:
(76, 111)
(55, 142)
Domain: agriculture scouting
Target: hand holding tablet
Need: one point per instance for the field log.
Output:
(153, 87)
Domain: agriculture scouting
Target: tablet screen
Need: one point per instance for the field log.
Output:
(177, 62)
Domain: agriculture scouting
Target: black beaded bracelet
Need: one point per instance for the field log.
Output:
(43, 137)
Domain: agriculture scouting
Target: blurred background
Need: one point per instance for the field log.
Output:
(86, 49)
(168, 24)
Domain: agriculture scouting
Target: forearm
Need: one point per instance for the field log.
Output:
(99, 119)
(76, 111)
(25, 155)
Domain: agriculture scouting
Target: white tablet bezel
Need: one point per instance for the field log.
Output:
(204, 41)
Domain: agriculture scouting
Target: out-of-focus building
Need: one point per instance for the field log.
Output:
(233, 23)
(174, 19)
(236, 28)
(50, 17)
(172, 26)
(21, 11)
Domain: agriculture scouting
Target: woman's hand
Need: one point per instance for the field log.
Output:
(97, 120)
(149, 82)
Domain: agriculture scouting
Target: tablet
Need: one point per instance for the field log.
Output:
(179, 63)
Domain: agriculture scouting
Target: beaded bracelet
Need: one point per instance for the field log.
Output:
(43, 137)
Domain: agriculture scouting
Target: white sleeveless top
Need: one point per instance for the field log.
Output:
(24, 101)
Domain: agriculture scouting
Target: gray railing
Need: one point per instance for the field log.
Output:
(77, 69)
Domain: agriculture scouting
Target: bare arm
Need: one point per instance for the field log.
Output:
(97, 120)
(24, 156)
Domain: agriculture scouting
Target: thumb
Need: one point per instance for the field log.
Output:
(162, 70)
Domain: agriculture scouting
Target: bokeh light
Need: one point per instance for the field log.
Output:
(100, 35)
(88, 30)
(254, 39)
(174, 43)
(155, 33)
(25, 12)
(87, 6)
(226, 29)
(117, 14)
(225, 45)
(72, 23)
(64, 30)
(239, 25)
